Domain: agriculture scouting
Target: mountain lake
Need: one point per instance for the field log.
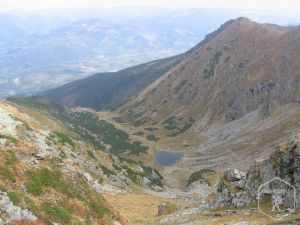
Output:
(164, 158)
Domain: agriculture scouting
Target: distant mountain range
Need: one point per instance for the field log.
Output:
(45, 50)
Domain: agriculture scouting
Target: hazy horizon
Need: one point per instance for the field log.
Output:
(267, 5)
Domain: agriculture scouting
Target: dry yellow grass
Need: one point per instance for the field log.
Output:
(135, 208)
(138, 208)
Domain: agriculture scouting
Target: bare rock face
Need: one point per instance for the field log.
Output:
(14, 212)
(234, 175)
(223, 190)
(284, 163)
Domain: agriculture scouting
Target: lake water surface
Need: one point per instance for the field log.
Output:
(164, 158)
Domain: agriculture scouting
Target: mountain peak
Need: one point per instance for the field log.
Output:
(243, 20)
(240, 21)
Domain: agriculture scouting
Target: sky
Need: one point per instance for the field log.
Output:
(284, 6)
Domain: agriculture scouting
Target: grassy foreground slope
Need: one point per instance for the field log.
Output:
(50, 174)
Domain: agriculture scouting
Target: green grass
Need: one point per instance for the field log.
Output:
(14, 197)
(7, 174)
(57, 213)
(97, 206)
(11, 158)
(42, 178)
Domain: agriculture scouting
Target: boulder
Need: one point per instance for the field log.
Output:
(234, 175)
(88, 177)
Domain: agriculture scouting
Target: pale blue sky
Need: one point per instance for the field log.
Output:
(283, 6)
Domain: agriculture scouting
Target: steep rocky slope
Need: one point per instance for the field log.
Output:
(49, 174)
(237, 69)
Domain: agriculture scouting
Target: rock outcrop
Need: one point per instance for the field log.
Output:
(242, 190)
(14, 212)
(166, 208)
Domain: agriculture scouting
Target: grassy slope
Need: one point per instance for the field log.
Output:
(110, 90)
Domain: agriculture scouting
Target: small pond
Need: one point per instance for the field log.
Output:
(164, 158)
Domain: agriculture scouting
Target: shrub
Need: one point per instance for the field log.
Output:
(91, 154)
(199, 175)
(100, 132)
(42, 178)
(139, 133)
(57, 213)
(98, 207)
(150, 129)
(63, 138)
(227, 59)
(178, 88)
(106, 171)
(14, 197)
(62, 154)
(152, 137)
